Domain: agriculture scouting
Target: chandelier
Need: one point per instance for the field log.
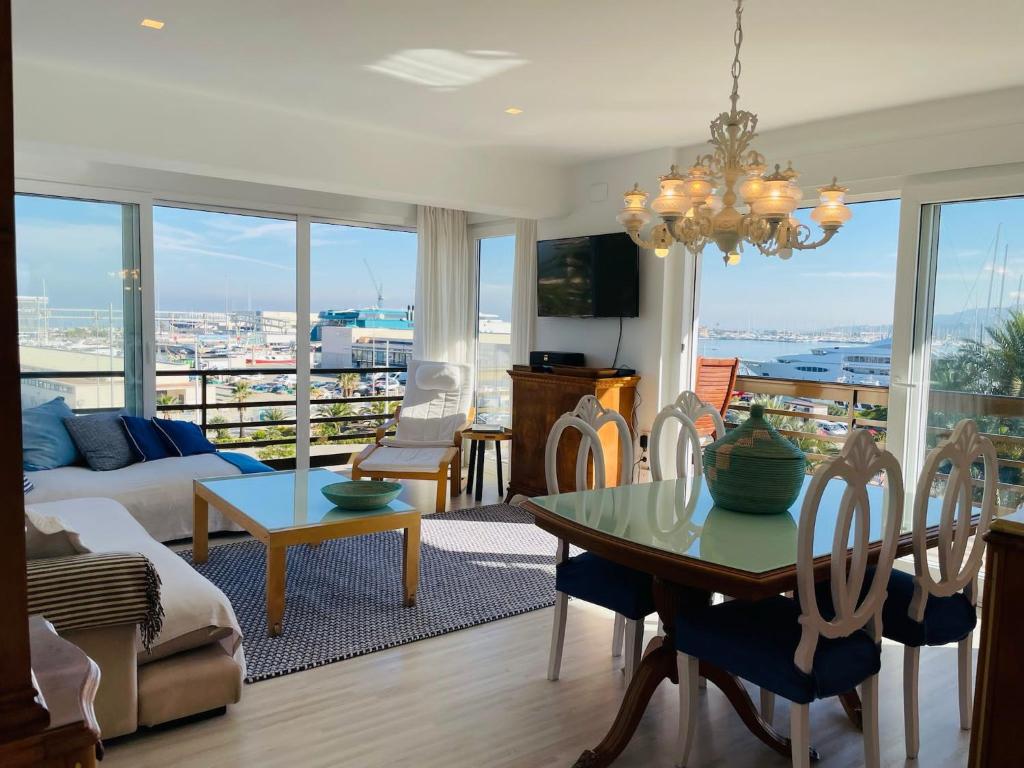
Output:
(754, 208)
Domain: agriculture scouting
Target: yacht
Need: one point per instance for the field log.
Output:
(861, 364)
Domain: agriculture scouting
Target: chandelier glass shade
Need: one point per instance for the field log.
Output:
(754, 208)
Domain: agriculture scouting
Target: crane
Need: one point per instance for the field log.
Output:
(376, 284)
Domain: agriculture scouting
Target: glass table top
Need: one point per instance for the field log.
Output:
(656, 515)
(290, 499)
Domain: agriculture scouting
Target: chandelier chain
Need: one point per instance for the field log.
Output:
(737, 66)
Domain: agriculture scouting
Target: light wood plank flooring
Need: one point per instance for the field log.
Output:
(479, 698)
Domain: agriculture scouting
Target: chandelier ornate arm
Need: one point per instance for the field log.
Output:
(753, 209)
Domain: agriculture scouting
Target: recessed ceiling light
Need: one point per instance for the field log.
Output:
(513, 111)
(152, 24)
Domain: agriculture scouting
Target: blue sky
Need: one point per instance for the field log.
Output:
(71, 251)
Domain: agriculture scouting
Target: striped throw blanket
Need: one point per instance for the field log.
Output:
(97, 589)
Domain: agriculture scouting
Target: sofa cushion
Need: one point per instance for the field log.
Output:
(157, 493)
(187, 684)
(101, 439)
(184, 437)
(191, 604)
(46, 443)
(145, 439)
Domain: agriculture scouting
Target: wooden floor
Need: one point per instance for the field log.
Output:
(479, 698)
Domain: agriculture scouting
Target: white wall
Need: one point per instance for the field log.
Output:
(75, 116)
(597, 193)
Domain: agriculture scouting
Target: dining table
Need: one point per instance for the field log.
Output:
(694, 549)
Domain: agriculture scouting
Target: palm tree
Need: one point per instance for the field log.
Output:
(240, 392)
(348, 383)
(222, 434)
(1006, 355)
(168, 399)
(333, 411)
(274, 414)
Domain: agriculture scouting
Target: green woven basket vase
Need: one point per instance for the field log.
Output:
(754, 469)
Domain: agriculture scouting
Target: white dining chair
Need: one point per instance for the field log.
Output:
(927, 610)
(686, 409)
(624, 591)
(775, 643)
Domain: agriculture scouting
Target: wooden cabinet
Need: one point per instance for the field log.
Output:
(998, 702)
(538, 399)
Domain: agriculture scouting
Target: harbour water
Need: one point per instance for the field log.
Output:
(756, 349)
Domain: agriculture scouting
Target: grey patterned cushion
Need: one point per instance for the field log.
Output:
(100, 437)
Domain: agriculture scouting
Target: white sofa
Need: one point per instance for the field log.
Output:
(158, 494)
(195, 664)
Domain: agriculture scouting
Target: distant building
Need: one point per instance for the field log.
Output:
(364, 338)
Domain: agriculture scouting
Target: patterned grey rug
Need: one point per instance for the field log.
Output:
(344, 598)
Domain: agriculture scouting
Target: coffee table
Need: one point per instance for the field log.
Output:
(282, 509)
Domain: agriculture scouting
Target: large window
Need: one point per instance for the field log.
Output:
(78, 302)
(976, 328)
(823, 317)
(226, 325)
(362, 288)
(494, 330)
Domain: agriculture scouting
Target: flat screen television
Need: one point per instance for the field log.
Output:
(595, 276)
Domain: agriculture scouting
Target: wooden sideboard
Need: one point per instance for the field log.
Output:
(998, 703)
(538, 399)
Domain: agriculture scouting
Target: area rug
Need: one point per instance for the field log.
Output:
(344, 598)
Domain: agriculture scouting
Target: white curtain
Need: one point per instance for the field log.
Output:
(445, 287)
(524, 291)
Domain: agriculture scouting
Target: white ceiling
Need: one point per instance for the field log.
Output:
(594, 77)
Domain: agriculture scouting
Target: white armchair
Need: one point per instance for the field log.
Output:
(427, 443)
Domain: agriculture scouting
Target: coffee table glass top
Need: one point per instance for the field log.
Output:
(290, 499)
(657, 515)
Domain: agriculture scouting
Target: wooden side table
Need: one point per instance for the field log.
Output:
(478, 445)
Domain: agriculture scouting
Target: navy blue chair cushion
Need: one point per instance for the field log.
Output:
(608, 584)
(757, 640)
(946, 619)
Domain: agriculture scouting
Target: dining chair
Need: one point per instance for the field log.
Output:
(924, 610)
(587, 576)
(786, 645)
(688, 409)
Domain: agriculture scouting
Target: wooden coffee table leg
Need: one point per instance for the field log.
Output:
(411, 563)
(852, 707)
(200, 529)
(275, 589)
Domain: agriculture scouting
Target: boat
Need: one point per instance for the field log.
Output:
(867, 364)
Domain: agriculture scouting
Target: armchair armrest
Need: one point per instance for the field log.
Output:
(470, 417)
(382, 430)
(97, 589)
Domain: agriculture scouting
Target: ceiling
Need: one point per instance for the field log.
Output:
(594, 78)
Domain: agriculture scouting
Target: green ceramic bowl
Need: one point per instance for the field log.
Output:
(359, 495)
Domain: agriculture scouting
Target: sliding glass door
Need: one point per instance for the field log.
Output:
(78, 302)
(971, 329)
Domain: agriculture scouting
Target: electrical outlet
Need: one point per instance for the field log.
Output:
(645, 438)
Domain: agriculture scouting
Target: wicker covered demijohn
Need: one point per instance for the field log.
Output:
(753, 468)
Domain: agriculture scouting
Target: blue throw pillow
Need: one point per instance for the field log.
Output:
(46, 443)
(146, 440)
(186, 438)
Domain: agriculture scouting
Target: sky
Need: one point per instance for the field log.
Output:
(70, 250)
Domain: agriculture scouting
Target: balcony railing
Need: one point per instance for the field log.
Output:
(808, 408)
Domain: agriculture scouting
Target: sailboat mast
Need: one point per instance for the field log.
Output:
(1002, 279)
(991, 283)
